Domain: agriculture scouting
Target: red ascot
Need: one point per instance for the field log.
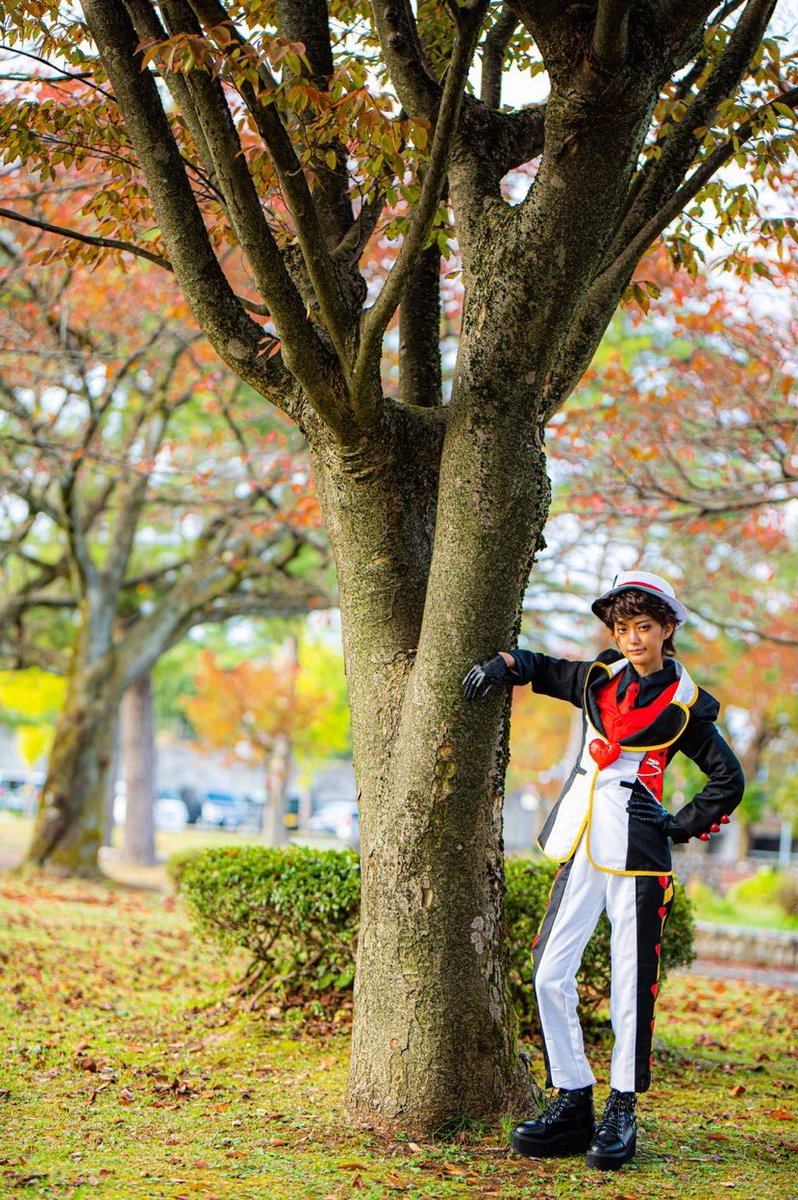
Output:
(621, 719)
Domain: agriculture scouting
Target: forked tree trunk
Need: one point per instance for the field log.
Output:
(430, 768)
(137, 754)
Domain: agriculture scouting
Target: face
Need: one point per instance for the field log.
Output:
(641, 640)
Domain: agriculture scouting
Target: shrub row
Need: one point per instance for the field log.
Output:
(296, 912)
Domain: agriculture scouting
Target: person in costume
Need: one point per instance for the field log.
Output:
(611, 836)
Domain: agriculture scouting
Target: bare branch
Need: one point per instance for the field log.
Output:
(493, 49)
(611, 32)
(418, 90)
(64, 74)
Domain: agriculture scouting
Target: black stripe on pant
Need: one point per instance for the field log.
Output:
(654, 898)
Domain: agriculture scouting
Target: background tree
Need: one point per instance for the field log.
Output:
(298, 133)
(270, 711)
(136, 506)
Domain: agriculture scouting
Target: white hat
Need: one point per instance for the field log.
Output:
(641, 581)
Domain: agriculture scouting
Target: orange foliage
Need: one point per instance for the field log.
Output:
(247, 706)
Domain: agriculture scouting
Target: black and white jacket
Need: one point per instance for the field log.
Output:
(593, 801)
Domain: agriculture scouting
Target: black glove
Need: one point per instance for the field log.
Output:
(482, 679)
(644, 805)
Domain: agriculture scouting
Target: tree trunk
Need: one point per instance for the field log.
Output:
(137, 753)
(68, 831)
(434, 1032)
(274, 829)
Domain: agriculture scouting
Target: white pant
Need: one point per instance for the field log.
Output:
(637, 907)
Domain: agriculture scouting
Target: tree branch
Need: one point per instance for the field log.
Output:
(418, 90)
(611, 32)
(375, 321)
(494, 46)
(87, 238)
(235, 337)
(312, 242)
(149, 28)
(308, 22)
(604, 294)
(419, 333)
(660, 178)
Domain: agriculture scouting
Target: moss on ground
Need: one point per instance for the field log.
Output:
(126, 1073)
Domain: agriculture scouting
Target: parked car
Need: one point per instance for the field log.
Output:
(339, 818)
(224, 809)
(168, 810)
(193, 802)
(19, 790)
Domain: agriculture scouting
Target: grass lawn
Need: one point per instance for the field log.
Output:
(125, 1073)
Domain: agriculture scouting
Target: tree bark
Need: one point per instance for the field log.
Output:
(275, 832)
(68, 831)
(137, 747)
(433, 1034)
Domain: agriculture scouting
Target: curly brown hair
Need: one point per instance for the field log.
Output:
(635, 603)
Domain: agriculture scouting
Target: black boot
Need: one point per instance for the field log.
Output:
(616, 1137)
(565, 1127)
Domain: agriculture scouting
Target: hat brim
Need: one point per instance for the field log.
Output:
(600, 606)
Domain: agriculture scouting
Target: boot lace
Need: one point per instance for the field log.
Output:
(618, 1112)
(555, 1108)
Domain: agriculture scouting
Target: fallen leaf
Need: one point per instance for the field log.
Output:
(352, 1166)
(453, 1169)
(780, 1114)
(737, 1090)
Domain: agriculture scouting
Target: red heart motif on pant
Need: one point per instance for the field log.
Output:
(654, 989)
(662, 912)
(604, 753)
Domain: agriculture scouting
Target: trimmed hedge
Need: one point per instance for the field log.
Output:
(296, 911)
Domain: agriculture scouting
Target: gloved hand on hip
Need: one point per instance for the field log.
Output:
(645, 806)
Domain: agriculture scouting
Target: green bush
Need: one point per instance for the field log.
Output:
(757, 889)
(787, 894)
(296, 912)
(176, 865)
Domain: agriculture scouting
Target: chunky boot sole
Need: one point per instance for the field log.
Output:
(575, 1141)
(611, 1162)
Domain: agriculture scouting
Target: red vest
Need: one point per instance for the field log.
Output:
(618, 724)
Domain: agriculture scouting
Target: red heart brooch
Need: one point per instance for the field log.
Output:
(604, 753)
